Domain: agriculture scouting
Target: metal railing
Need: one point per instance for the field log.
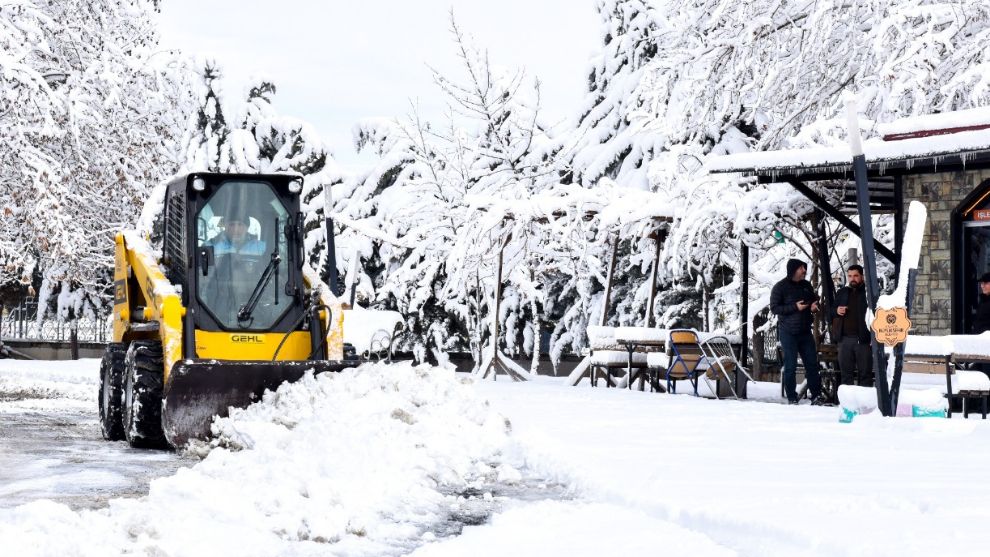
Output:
(20, 322)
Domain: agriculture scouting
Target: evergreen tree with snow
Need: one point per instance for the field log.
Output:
(207, 140)
(609, 141)
(265, 141)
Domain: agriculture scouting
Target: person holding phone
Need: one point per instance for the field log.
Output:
(849, 330)
(793, 301)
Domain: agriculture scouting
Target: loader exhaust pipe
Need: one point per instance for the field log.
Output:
(330, 276)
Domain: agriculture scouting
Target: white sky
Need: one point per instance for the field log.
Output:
(337, 61)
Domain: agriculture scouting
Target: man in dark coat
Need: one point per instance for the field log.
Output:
(981, 323)
(849, 330)
(793, 300)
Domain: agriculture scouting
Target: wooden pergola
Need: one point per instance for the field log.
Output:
(825, 177)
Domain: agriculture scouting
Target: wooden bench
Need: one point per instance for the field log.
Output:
(607, 360)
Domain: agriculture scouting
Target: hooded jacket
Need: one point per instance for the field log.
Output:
(784, 298)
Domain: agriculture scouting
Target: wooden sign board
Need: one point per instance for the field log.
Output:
(982, 214)
(891, 326)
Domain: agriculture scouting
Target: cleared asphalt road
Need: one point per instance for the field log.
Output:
(50, 442)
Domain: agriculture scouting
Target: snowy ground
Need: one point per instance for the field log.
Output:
(50, 443)
(390, 460)
(376, 461)
(740, 478)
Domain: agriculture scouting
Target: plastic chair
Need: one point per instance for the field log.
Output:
(722, 360)
(688, 360)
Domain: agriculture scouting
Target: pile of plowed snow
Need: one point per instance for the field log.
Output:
(52, 386)
(364, 462)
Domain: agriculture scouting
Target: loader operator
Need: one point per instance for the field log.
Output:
(238, 256)
(235, 238)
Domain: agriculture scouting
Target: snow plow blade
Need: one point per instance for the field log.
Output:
(197, 391)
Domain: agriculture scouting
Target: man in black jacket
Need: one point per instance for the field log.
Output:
(793, 300)
(849, 330)
(981, 322)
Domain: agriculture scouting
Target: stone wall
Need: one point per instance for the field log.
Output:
(941, 193)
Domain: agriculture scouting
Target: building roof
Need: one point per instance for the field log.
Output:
(924, 144)
(936, 124)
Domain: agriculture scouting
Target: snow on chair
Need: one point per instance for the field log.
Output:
(687, 359)
(721, 361)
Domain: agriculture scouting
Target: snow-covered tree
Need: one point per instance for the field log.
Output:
(265, 141)
(92, 108)
(259, 140)
(674, 84)
(609, 141)
(413, 218)
(689, 80)
(207, 134)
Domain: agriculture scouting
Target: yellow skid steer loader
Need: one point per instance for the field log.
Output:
(228, 309)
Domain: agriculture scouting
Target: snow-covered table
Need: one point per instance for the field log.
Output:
(962, 348)
(648, 341)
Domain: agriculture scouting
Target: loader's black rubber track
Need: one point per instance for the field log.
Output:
(111, 397)
(143, 395)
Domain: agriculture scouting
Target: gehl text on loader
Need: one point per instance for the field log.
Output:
(228, 310)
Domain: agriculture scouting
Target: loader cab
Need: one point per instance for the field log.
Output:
(233, 243)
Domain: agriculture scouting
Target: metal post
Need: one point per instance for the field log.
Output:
(352, 277)
(608, 281)
(74, 339)
(825, 266)
(330, 276)
(869, 253)
(744, 309)
(898, 223)
(480, 322)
